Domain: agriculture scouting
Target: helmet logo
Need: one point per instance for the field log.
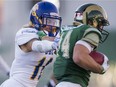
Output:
(34, 13)
(35, 7)
(34, 10)
(79, 16)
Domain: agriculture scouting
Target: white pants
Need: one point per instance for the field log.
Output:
(11, 83)
(67, 84)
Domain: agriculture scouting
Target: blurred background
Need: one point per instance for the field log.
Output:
(15, 13)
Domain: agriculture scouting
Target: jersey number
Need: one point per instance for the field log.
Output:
(65, 45)
(39, 68)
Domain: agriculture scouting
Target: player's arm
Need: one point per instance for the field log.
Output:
(82, 58)
(39, 46)
(81, 53)
(28, 40)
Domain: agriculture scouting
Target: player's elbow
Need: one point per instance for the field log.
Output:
(77, 55)
(77, 60)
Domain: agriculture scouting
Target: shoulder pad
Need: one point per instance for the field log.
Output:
(93, 30)
(69, 27)
(25, 34)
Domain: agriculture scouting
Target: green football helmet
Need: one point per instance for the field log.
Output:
(94, 15)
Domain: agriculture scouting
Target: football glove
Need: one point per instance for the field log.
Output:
(56, 43)
(57, 39)
(105, 64)
(55, 46)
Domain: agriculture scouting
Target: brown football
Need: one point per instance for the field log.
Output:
(97, 56)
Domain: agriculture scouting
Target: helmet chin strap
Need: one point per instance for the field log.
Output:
(45, 32)
(52, 32)
(48, 33)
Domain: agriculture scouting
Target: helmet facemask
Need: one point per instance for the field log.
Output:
(98, 21)
(45, 14)
(54, 22)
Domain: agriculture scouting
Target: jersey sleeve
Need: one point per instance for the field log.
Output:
(92, 36)
(25, 34)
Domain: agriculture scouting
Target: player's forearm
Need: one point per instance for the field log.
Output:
(82, 58)
(88, 63)
(42, 46)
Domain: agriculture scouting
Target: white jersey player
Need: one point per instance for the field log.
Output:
(30, 47)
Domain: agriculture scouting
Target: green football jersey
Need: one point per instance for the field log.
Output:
(64, 67)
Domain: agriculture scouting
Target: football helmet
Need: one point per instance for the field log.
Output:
(94, 15)
(45, 14)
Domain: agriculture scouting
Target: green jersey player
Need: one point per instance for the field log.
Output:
(73, 64)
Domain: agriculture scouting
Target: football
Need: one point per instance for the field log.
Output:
(97, 56)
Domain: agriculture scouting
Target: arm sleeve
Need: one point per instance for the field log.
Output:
(86, 44)
(42, 46)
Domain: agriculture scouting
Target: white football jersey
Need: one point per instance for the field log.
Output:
(28, 67)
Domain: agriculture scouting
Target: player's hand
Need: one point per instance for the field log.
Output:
(56, 43)
(55, 46)
(105, 64)
(57, 39)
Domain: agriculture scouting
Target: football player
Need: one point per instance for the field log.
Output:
(31, 47)
(73, 64)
